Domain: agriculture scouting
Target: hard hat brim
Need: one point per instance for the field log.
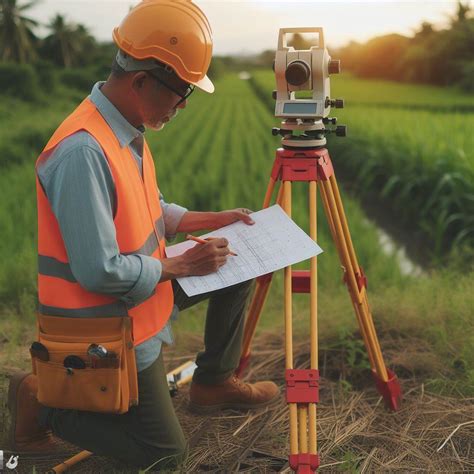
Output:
(205, 84)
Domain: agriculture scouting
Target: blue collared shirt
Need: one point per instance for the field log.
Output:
(79, 185)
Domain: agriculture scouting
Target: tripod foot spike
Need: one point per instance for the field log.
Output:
(304, 463)
(390, 390)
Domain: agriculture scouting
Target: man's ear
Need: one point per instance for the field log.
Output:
(138, 80)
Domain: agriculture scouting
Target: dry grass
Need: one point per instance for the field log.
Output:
(430, 433)
(355, 433)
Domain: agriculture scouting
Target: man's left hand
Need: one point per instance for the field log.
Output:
(224, 218)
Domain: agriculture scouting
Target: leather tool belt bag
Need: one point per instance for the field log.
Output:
(105, 384)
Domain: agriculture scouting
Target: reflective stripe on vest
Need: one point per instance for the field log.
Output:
(139, 230)
(107, 310)
(50, 266)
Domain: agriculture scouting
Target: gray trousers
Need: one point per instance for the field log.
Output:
(150, 432)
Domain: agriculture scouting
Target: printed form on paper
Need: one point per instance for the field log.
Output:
(272, 243)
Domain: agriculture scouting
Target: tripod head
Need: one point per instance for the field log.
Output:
(304, 119)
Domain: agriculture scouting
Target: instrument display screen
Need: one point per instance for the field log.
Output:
(300, 108)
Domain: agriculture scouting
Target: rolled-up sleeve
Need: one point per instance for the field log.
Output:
(172, 215)
(150, 274)
(80, 190)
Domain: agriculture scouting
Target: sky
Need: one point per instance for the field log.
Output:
(246, 27)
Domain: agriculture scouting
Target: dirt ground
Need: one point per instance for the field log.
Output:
(430, 433)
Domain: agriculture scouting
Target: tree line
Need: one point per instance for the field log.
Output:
(440, 57)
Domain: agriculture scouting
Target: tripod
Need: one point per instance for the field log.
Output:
(312, 164)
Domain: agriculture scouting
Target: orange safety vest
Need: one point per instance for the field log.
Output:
(139, 230)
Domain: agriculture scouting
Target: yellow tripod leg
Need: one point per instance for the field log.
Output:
(303, 428)
(313, 222)
(337, 242)
(286, 201)
(302, 384)
(365, 303)
(346, 260)
(355, 271)
(386, 380)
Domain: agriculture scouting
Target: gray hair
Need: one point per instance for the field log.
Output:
(123, 64)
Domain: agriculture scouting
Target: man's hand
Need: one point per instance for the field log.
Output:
(201, 259)
(207, 258)
(224, 218)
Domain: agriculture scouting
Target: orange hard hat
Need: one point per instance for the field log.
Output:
(175, 32)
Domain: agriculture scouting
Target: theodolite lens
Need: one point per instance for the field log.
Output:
(297, 73)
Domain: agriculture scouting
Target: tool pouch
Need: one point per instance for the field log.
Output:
(110, 387)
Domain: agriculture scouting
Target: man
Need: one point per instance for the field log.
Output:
(101, 228)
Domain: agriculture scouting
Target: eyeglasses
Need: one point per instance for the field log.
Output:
(189, 89)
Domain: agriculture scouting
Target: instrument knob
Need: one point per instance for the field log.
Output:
(334, 66)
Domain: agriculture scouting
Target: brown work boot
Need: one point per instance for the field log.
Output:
(232, 393)
(26, 434)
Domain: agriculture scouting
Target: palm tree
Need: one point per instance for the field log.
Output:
(68, 44)
(60, 44)
(463, 12)
(85, 41)
(17, 40)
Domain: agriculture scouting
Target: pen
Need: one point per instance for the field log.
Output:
(202, 241)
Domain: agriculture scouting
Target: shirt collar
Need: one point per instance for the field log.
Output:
(122, 128)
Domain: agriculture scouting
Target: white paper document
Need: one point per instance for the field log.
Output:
(272, 243)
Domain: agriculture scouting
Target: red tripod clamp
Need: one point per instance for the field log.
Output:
(304, 463)
(302, 165)
(302, 385)
(360, 277)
